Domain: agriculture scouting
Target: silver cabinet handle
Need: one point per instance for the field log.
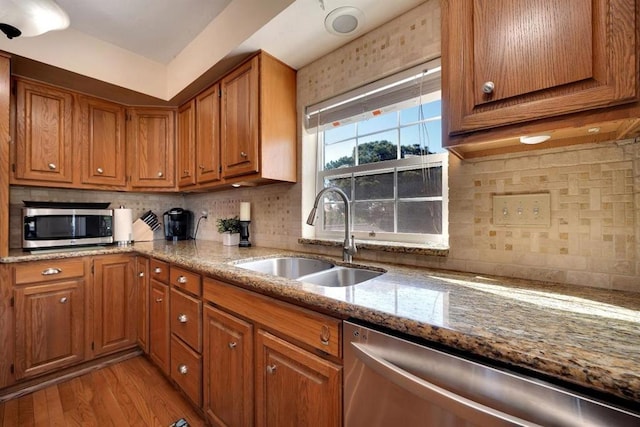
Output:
(185, 173)
(51, 270)
(488, 87)
(63, 300)
(182, 318)
(243, 154)
(233, 344)
(52, 166)
(182, 280)
(201, 166)
(160, 174)
(325, 335)
(429, 391)
(141, 274)
(158, 299)
(183, 369)
(157, 270)
(271, 369)
(100, 171)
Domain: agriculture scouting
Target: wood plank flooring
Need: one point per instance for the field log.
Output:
(130, 393)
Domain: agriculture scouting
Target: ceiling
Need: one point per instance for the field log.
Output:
(170, 48)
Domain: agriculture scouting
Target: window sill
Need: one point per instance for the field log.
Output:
(396, 247)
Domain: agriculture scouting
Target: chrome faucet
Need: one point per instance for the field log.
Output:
(349, 245)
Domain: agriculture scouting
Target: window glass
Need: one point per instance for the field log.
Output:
(340, 133)
(421, 112)
(373, 216)
(339, 154)
(422, 182)
(378, 147)
(378, 123)
(377, 186)
(420, 217)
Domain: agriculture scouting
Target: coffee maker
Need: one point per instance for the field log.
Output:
(177, 224)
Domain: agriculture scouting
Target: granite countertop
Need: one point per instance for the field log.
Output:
(590, 337)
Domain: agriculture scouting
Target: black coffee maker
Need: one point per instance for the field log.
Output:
(177, 224)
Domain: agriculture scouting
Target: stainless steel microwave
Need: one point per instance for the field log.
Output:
(51, 227)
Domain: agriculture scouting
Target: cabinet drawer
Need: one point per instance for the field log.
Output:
(311, 328)
(186, 319)
(159, 271)
(186, 370)
(44, 271)
(187, 280)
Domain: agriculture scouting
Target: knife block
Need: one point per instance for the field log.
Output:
(142, 232)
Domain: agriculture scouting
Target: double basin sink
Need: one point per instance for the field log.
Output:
(310, 270)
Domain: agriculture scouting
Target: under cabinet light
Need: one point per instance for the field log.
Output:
(534, 139)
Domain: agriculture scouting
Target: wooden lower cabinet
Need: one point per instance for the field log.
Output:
(295, 387)
(159, 325)
(49, 320)
(228, 367)
(114, 304)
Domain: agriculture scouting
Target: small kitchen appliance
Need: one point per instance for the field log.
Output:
(177, 224)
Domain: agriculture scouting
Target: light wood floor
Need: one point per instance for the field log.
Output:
(130, 393)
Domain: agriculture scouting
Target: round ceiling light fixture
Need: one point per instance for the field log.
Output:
(344, 21)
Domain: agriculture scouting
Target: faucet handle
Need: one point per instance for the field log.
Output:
(352, 247)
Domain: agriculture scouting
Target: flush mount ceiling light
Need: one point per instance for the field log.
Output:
(534, 139)
(29, 18)
(344, 21)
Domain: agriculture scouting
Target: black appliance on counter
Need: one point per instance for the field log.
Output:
(177, 224)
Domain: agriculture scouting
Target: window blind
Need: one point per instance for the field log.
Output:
(408, 84)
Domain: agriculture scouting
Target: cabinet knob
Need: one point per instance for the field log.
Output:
(100, 171)
(271, 369)
(185, 173)
(488, 87)
(158, 299)
(50, 271)
(182, 280)
(243, 154)
(52, 166)
(233, 344)
(325, 335)
(182, 318)
(157, 270)
(183, 369)
(63, 300)
(160, 174)
(141, 274)
(201, 166)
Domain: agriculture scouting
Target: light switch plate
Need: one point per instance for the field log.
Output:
(532, 210)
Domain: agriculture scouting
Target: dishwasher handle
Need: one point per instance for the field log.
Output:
(474, 411)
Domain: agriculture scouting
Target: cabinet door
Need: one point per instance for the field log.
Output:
(159, 325)
(294, 387)
(102, 135)
(187, 144)
(208, 135)
(513, 61)
(228, 369)
(44, 133)
(240, 121)
(114, 304)
(151, 139)
(142, 292)
(49, 327)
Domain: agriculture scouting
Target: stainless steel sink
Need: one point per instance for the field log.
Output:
(310, 270)
(341, 276)
(289, 267)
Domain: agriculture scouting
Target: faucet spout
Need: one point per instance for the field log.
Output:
(349, 245)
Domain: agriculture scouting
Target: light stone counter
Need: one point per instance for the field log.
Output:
(586, 336)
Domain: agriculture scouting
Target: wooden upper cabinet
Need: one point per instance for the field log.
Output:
(44, 137)
(151, 141)
(513, 61)
(187, 144)
(208, 135)
(240, 121)
(258, 136)
(102, 137)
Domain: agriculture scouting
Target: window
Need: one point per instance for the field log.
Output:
(388, 160)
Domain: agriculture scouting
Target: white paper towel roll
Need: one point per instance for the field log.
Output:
(122, 226)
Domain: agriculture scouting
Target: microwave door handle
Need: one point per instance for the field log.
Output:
(482, 414)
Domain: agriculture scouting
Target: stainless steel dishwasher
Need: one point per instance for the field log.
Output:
(393, 382)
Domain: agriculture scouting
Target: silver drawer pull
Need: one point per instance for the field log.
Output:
(182, 279)
(141, 274)
(243, 154)
(182, 318)
(325, 335)
(488, 87)
(160, 174)
(51, 270)
(100, 171)
(183, 369)
(158, 299)
(52, 166)
(271, 369)
(63, 300)
(157, 270)
(233, 344)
